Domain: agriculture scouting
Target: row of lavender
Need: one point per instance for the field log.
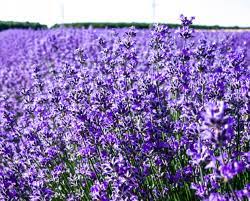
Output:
(124, 114)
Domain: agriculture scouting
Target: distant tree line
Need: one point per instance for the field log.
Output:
(20, 25)
(137, 25)
(32, 25)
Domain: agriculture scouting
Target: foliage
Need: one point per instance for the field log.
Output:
(139, 25)
(20, 25)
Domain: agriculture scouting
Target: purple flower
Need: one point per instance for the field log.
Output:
(217, 126)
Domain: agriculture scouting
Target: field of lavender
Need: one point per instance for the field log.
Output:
(124, 114)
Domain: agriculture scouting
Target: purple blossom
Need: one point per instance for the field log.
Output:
(124, 114)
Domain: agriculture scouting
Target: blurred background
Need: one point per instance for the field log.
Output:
(50, 12)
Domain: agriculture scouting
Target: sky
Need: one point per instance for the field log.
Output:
(207, 12)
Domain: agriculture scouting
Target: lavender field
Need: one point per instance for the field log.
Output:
(124, 114)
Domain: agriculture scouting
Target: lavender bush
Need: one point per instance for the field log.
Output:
(124, 114)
